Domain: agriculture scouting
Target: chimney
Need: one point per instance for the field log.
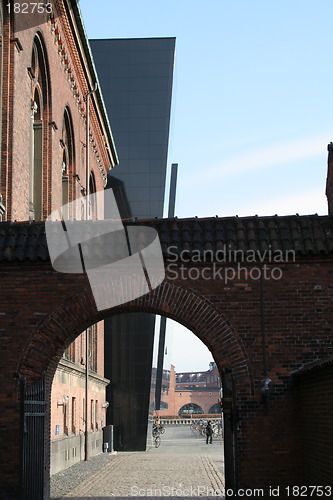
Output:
(329, 180)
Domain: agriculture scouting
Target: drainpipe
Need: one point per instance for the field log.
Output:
(266, 380)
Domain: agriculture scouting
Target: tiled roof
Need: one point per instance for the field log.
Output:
(213, 388)
(309, 234)
(306, 235)
(317, 365)
(191, 377)
(23, 241)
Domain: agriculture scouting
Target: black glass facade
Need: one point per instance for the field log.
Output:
(136, 79)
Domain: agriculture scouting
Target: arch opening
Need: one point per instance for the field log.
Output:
(78, 312)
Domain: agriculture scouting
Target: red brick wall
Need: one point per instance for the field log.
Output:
(67, 84)
(314, 393)
(175, 399)
(70, 384)
(64, 71)
(41, 315)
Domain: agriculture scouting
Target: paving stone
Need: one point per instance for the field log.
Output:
(182, 467)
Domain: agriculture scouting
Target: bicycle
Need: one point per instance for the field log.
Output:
(157, 441)
(156, 436)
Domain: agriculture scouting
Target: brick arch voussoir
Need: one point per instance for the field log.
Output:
(181, 303)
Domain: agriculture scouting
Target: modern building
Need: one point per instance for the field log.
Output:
(136, 77)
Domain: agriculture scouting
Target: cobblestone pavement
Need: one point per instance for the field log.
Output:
(182, 467)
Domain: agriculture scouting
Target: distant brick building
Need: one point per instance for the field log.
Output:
(188, 393)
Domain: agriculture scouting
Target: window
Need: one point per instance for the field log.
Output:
(96, 414)
(69, 352)
(65, 420)
(92, 414)
(68, 165)
(74, 415)
(92, 197)
(84, 410)
(36, 176)
(40, 118)
(92, 343)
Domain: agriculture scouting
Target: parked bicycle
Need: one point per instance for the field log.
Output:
(200, 427)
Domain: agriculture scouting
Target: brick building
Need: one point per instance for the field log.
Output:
(46, 72)
(270, 334)
(188, 393)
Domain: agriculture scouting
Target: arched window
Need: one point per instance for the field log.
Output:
(39, 130)
(216, 409)
(190, 408)
(92, 346)
(92, 197)
(68, 164)
(36, 174)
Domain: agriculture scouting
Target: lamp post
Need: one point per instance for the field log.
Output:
(87, 98)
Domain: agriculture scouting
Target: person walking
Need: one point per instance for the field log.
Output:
(209, 433)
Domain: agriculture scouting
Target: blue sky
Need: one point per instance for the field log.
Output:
(252, 98)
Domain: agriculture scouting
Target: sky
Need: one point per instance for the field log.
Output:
(252, 103)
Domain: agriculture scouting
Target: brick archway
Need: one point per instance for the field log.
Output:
(264, 331)
(184, 305)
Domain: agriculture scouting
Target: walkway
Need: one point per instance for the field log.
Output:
(182, 467)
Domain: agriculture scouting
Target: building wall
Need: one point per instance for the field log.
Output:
(314, 395)
(68, 415)
(64, 86)
(68, 405)
(298, 325)
(43, 86)
(176, 396)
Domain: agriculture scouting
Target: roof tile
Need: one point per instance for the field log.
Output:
(306, 235)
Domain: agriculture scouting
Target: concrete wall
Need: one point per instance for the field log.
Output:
(70, 450)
